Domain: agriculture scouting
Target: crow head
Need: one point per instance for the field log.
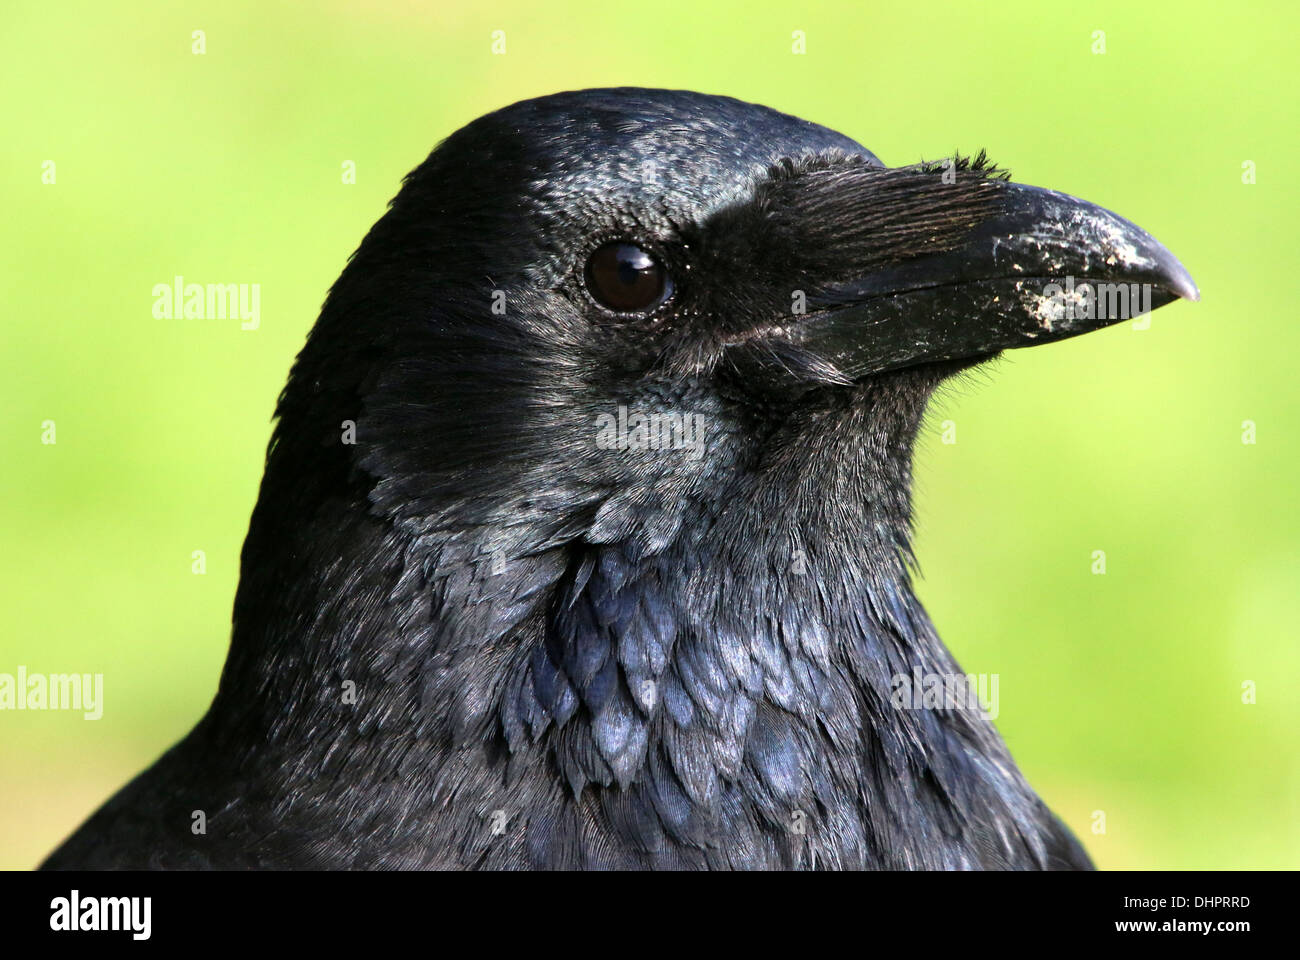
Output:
(632, 379)
(587, 304)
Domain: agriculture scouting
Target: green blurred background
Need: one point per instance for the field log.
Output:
(1119, 693)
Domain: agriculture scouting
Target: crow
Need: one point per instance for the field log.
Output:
(583, 538)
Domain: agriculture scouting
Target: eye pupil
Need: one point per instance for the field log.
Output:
(626, 278)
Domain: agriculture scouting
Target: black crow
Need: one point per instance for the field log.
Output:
(583, 540)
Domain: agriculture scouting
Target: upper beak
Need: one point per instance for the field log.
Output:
(1044, 267)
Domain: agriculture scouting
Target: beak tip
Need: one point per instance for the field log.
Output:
(1173, 276)
(1182, 284)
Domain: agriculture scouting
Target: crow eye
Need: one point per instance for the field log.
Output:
(626, 278)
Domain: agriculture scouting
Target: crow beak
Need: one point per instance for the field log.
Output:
(1045, 266)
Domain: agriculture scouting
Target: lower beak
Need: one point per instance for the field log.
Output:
(1047, 266)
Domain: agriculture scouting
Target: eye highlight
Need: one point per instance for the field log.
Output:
(626, 278)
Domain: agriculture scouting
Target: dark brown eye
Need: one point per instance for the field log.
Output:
(627, 279)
